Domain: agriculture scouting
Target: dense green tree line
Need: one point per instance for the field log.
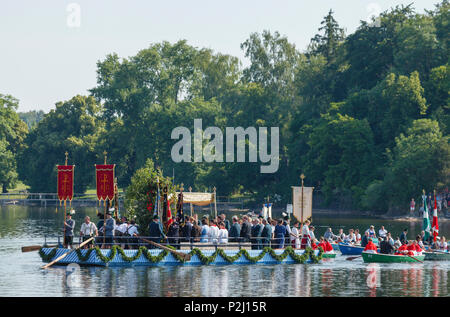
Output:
(364, 115)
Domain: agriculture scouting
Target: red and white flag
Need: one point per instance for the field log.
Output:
(435, 226)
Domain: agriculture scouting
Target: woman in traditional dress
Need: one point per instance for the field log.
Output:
(205, 231)
(306, 237)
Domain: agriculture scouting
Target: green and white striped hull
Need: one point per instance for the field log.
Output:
(390, 258)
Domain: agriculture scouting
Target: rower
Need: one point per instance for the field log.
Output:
(411, 248)
(402, 250)
(370, 247)
(69, 225)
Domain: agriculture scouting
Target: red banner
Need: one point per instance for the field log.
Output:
(65, 182)
(104, 175)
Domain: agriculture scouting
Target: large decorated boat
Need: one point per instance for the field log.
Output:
(116, 256)
(390, 258)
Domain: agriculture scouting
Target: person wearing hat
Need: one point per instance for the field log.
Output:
(155, 231)
(69, 225)
(110, 225)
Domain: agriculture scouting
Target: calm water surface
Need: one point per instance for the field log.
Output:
(21, 275)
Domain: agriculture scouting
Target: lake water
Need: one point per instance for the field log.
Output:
(21, 274)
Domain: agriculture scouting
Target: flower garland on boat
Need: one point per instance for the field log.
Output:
(309, 253)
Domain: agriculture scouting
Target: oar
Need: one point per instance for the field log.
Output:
(35, 247)
(353, 257)
(185, 256)
(415, 259)
(67, 253)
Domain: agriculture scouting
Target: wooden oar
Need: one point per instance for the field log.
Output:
(415, 259)
(353, 257)
(185, 256)
(67, 253)
(36, 247)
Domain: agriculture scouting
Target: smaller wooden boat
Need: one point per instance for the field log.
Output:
(347, 249)
(328, 255)
(390, 258)
(437, 256)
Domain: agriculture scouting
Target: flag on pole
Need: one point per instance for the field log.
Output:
(158, 197)
(426, 219)
(435, 220)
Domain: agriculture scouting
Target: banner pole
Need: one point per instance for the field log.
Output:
(65, 212)
(302, 177)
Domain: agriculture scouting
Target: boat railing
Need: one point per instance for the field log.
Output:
(179, 243)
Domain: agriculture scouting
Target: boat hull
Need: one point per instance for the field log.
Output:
(350, 249)
(389, 258)
(328, 255)
(118, 260)
(437, 256)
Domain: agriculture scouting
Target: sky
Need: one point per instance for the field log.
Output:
(49, 48)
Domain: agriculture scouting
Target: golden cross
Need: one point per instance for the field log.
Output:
(104, 153)
(65, 181)
(104, 181)
(67, 154)
(181, 188)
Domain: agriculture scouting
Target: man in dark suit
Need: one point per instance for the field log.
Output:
(225, 221)
(235, 230)
(256, 231)
(174, 234)
(403, 237)
(156, 231)
(266, 233)
(187, 230)
(245, 229)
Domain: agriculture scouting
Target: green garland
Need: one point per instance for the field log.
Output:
(309, 253)
(47, 257)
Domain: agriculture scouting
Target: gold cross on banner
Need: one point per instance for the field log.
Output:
(104, 181)
(65, 182)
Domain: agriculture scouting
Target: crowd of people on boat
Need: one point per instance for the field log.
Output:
(254, 230)
(386, 243)
(251, 229)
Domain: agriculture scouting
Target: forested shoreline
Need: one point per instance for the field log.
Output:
(362, 115)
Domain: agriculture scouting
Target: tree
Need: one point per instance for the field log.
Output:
(32, 118)
(74, 126)
(419, 160)
(370, 50)
(327, 44)
(341, 154)
(140, 195)
(12, 134)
